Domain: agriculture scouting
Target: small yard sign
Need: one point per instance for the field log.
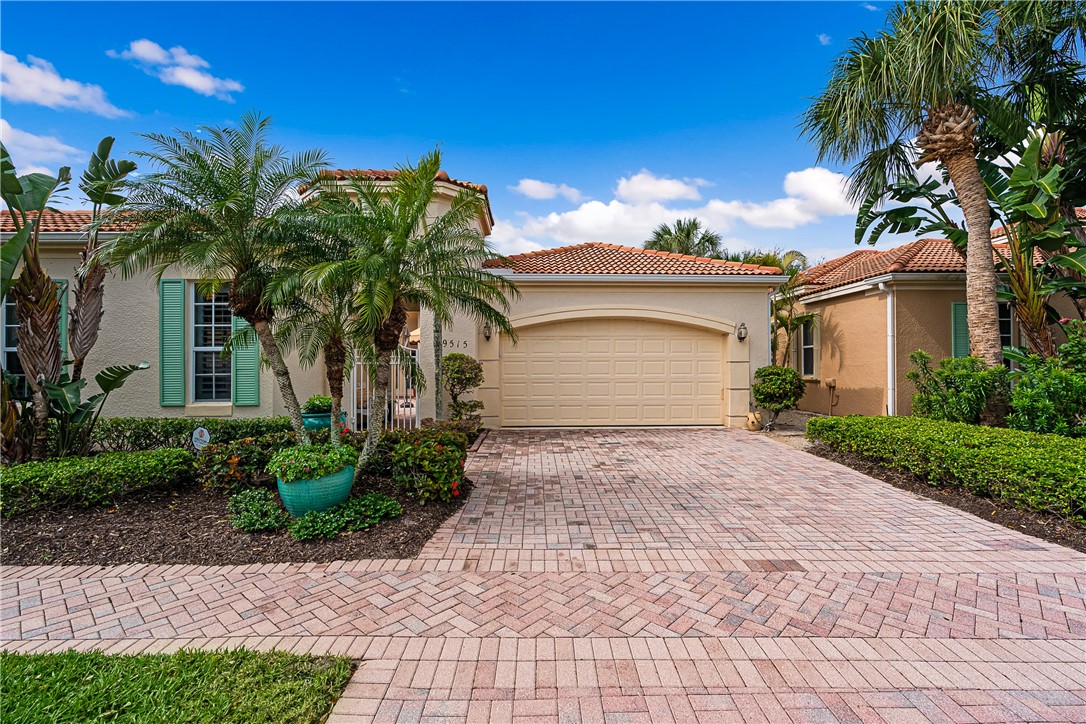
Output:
(200, 438)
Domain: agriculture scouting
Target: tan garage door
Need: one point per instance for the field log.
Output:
(612, 372)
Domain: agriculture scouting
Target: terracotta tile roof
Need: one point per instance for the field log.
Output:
(924, 255)
(1080, 214)
(385, 174)
(602, 259)
(57, 222)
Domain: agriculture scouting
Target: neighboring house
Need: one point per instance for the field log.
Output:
(879, 306)
(608, 335)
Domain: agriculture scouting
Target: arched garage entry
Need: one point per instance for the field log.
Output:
(605, 366)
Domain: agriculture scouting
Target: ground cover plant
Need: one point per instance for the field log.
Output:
(1033, 471)
(231, 686)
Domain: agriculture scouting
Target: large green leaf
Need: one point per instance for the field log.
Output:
(38, 189)
(1075, 260)
(104, 175)
(10, 253)
(9, 179)
(66, 396)
(113, 378)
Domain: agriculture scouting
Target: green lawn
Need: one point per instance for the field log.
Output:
(189, 686)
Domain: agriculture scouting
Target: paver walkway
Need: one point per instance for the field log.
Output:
(636, 575)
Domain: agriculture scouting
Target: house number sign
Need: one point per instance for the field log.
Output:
(454, 343)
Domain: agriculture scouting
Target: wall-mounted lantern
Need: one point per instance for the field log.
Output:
(487, 331)
(741, 333)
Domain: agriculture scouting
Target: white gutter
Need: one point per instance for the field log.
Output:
(662, 278)
(871, 283)
(891, 352)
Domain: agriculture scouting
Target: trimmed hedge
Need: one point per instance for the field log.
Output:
(381, 462)
(87, 481)
(129, 434)
(1031, 470)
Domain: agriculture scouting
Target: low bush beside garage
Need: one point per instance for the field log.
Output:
(1031, 470)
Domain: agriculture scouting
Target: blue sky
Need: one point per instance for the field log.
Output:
(586, 121)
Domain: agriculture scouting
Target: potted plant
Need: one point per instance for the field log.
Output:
(313, 477)
(317, 411)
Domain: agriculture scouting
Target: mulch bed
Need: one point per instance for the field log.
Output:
(1045, 526)
(191, 527)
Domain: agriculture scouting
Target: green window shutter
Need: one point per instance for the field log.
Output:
(245, 368)
(62, 294)
(171, 342)
(959, 330)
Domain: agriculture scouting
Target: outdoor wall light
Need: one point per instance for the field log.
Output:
(741, 333)
(487, 331)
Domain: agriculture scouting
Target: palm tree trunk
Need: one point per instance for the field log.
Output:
(86, 315)
(439, 396)
(384, 341)
(335, 363)
(980, 273)
(282, 377)
(37, 308)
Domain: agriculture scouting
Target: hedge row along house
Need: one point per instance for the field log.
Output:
(608, 335)
(874, 308)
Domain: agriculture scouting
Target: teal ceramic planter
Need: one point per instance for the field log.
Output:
(320, 420)
(304, 496)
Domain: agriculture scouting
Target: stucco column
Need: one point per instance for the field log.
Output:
(736, 380)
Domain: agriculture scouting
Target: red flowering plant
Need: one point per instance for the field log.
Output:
(429, 468)
(309, 462)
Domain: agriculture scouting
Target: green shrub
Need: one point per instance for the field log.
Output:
(256, 510)
(428, 467)
(240, 464)
(309, 462)
(86, 481)
(316, 525)
(777, 389)
(1050, 395)
(468, 428)
(1041, 472)
(317, 403)
(150, 433)
(366, 511)
(460, 374)
(960, 389)
(380, 462)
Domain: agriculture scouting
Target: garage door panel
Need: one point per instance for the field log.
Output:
(612, 372)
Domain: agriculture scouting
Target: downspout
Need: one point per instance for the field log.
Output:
(891, 352)
(769, 325)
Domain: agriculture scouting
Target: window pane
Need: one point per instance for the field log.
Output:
(808, 361)
(209, 363)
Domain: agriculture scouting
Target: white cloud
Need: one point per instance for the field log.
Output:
(37, 81)
(643, 202)
(542, 190)
(869, 6)
(644, 187)
(824, 39)
(31, 152)
(178, 66)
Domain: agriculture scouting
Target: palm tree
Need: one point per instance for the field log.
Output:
(908, 89)
(219, 204)
(686, 236)
(400, 263)
(791, 262)
(319, 323)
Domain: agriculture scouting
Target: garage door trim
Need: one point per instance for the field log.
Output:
(671, 316)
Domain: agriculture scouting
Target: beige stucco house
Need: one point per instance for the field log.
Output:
(607, 335)
(874, 309)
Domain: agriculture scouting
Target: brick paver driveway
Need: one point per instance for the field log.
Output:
(637, 575)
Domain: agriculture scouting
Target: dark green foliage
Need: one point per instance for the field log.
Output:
(366, 511)
(960, 389)
(1039, 472)
(190, 686)
(1050, 395)
(240, 464)
(317, 403)
(380, 463)
(150, 433)
(86, 481)
(467, 428)
(256, 510)
(777, 389)
(428, 467)
(460, 374)
(309, 462)
(316, 525)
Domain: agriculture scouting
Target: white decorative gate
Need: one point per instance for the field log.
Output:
(402, 411)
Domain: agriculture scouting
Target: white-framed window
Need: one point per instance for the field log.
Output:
(9, 340)
(807, 349)
(211, 328)
(1006, 328)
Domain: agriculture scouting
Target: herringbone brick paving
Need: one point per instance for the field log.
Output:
(636, 575)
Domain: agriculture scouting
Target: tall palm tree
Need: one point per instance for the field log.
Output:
(401, 263)
(686, 236)
(791, 262)
(218, 204)
(908, 90)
